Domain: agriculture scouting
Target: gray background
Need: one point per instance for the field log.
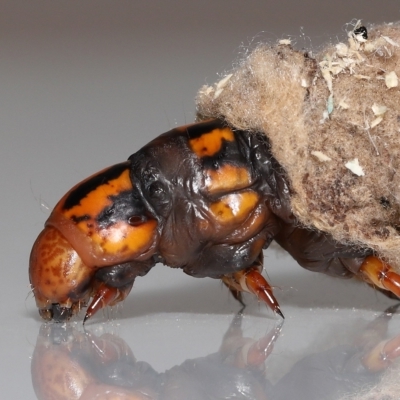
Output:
(83, 84)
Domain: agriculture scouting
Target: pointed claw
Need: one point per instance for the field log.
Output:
(252, 281)
(103, 297)
(258, 285)
(381, 274)
(106, 296)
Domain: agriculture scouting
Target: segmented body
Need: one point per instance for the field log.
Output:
(204, 198)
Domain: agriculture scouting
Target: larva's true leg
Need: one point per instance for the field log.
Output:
(380, 274)
(104, 296)
(250, 280)
(113, 284)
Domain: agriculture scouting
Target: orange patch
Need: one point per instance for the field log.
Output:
(234, 208)
(98, 199)
(210, 143)
(117, 237)
(227, 178)
(121, 241)
(124, 239)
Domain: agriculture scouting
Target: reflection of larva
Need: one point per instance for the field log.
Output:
(71, 365)
(289, 147)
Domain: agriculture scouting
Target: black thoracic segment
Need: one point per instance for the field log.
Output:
(222, 259)
(125, 205)
(271, 180)
(123, 274)
(197, 130)
(85, 188)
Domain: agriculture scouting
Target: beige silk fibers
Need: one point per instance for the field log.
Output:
(333, 121)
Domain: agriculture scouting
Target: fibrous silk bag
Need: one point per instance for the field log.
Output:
(333, 122)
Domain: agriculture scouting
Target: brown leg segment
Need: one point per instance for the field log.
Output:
(250, 280)
(378, 273)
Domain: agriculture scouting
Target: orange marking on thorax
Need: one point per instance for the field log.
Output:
(210, 143)
(124, 239)
(227, 178)
(120, 239)
(234, 208)
(98, 199)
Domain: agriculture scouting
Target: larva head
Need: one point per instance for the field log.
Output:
(101, 222)
(59, 278)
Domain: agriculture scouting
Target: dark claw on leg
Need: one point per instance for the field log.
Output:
(106, 296)
(251, 281)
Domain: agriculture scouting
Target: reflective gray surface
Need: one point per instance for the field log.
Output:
(85, 84)
(243, 357)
